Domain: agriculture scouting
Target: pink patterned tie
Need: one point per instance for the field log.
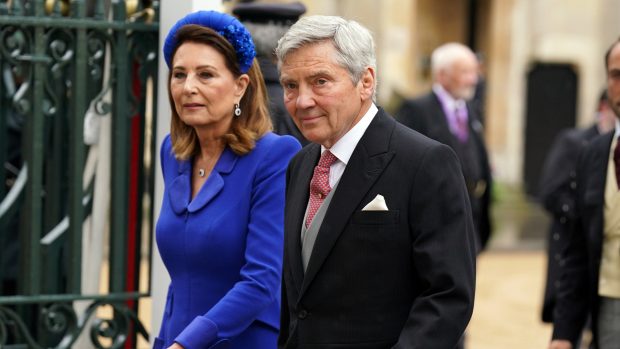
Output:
(319, 185)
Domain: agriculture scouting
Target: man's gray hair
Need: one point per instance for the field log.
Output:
(444, 56)
(355, 47)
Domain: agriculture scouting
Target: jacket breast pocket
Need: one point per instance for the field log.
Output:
(375, 217)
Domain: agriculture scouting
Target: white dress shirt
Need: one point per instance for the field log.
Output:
(345, 146)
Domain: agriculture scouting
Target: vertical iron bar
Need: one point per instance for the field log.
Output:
(17, 8)
(120, 154)
(3, 159)
(3, 132)
(99, 9)
(56, 9)
(34, 154)
(77, 151)
(4, 7)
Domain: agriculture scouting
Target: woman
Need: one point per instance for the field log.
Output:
(220, 230)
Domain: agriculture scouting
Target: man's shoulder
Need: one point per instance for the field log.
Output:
(424, 100)
(411, 141)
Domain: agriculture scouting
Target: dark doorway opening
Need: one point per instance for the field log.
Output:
(550, 107)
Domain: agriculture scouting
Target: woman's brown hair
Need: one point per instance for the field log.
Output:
(245, 129)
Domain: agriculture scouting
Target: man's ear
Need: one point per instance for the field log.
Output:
(367, 83)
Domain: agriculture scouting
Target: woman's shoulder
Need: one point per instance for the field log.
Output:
(166, 144)
(282, 144)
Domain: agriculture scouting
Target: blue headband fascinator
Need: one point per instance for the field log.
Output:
(225, 25)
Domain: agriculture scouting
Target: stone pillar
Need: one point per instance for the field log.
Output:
(170, 12)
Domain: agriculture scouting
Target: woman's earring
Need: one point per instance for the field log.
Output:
(237, 110)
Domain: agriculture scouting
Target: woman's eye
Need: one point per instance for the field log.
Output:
(206, 75)
(178, 75)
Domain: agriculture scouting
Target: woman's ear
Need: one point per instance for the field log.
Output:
(241, 85)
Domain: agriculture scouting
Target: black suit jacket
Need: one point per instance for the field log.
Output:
(578, 293)
(425, 115)
(402, 278)
(282, 123)
(557, 194)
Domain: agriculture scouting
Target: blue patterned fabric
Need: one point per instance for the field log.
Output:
(227, 26)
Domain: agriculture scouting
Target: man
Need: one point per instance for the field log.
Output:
(445, 115)
(590, 282)
(267, 22)
(379, 242)
(557, 189)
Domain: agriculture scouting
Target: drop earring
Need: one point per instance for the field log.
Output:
(237, 110)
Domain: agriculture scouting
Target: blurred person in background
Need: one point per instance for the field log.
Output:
(590, 280)
(445, 114)
(557, 193)
(220, 230)
(267, 22)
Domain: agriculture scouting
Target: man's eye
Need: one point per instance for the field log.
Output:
(321, 81)
(290, 86)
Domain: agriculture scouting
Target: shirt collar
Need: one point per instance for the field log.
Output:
(344, 147)
(446, 98)
(617, 130)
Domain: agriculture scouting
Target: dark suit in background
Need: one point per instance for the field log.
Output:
(282, 122)
(557, 195)
(426, 115)
(578, 295)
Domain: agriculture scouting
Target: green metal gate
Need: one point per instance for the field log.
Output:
(66, 67)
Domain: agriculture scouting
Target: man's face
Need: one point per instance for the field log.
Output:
(319, 93)
(613, 80)
(461, 77)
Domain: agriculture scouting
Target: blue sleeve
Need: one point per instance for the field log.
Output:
(260, 280)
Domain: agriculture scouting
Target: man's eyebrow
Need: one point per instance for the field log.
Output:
(284, 80)
(314, 75)
(318, 73)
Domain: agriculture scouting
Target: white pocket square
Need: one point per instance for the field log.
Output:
(377, 204)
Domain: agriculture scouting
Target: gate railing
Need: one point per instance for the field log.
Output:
(76, 119)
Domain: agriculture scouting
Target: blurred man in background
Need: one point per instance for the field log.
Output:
(590, 281)
(557, 189)
(445, 114)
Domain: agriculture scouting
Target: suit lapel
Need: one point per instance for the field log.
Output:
(439, 123)
(367, 162)
(296, 205)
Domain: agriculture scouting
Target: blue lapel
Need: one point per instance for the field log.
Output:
(179, 192)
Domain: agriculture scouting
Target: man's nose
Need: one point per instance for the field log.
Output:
(305, 98)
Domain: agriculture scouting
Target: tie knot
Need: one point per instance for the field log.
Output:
(327, 159)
